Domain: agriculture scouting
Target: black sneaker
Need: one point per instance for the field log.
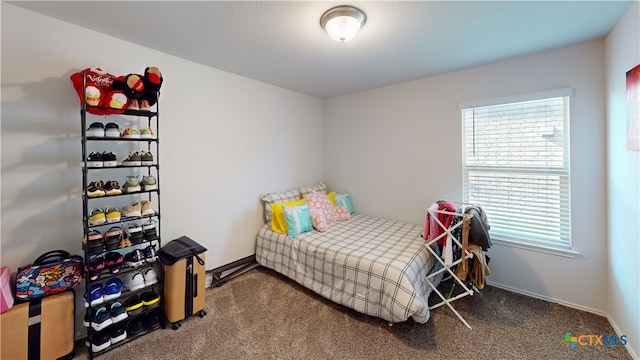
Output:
(135, 327)
(95, 189)
(95, 160)
(112, 130)
(152, 321)
(150, 300)
(100, 341)
(109, 159)
(136, 235)
(112, 187)
(135, 258)
(149, 231)
(118, 333)
(150, 254)
(133, 305)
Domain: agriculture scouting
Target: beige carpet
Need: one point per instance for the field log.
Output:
(263, 315)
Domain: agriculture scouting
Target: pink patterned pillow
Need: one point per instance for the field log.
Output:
(321, 209)
(319, 221)
(342, 213)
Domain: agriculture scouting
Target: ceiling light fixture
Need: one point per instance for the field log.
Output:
(343, 22)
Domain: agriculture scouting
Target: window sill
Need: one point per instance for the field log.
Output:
(568, 253)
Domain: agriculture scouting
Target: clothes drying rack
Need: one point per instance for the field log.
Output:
(447, 266)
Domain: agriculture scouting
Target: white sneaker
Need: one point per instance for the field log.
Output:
(96, 129)
(132, 210)
(147, 208)
(112, 130)
(134, 281)
(150, 277)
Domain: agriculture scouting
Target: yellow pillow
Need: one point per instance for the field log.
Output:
(331, 198)
(278, 223)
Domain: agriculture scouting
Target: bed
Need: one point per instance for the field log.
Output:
(374, 266)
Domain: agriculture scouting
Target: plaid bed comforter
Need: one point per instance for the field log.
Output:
(375, 266)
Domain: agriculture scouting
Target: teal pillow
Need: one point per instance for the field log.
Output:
(298, 219)
(343, 199)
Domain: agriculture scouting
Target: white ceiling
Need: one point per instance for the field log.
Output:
(281, 42)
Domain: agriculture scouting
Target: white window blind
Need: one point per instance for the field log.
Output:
(516, 165)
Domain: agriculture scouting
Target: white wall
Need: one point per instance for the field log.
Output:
(623, 184)
(224, 140)
(398, 148)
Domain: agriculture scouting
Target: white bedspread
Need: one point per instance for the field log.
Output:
(374, 266)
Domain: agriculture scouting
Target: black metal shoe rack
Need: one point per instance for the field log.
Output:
(120, 172)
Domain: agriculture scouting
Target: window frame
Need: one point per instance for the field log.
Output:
(559, 247)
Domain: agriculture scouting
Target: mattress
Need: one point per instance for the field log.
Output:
(375, 266)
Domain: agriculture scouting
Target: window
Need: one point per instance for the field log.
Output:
(516, 165)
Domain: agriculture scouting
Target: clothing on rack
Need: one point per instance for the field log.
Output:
(479, 269)
(431, 228)
(479, 232)
(479, 227)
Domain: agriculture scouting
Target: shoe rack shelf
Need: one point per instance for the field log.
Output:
(145, 314)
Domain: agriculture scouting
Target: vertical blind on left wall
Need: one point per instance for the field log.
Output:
(516, 165)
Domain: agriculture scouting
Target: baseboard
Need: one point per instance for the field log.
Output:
(632, 352)
(547, 298)
(224, 273)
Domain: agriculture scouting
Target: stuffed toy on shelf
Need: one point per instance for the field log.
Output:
(105, 93)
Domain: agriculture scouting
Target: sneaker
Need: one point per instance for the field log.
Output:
(112, 238)
(136, 234)
(101, 319)
(134, 259)
(113, 214)
(94, 298)
(112, 188)
(109, 159)
(96, 129)
(111, 289)
(144, 105)
(135, 327)
(133, 305)
(96, 265)
(113, 261)
(131, 185)
(118, 333)
(134, 281)
(149, 231)
(152, 321)
(95, 189)
(133, 105)
(150, 254)
(86, 321)
(95, 160)
(111, 130)
(97, 216)
(132, 160)
(132, 210)
(149, 183)
(117, 312)
(147, 208)
(131, 133)
(95, 243)
(100, 341)
(150, 299)
(146, 158)
(146, 133)
(150, 277)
